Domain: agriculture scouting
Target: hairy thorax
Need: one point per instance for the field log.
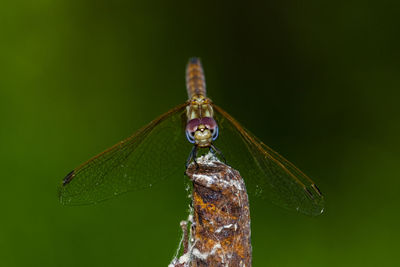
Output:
(199, 107)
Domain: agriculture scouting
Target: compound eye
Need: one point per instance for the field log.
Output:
(191, 128)
(190, 136)
(215, 132)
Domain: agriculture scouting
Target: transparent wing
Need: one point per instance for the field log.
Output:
(155, 152)
(267, 174)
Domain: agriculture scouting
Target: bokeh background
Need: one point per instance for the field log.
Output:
(317, 81)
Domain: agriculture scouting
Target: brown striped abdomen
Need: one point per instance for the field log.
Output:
(195, 81)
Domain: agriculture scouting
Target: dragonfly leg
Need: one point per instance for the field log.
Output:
(212, 151)
(215, 151)
(192, 156)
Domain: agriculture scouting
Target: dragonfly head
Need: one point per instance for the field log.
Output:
(202, 131)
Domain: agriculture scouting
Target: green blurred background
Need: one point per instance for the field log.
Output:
(317, 81)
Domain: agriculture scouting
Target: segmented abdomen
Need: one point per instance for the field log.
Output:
(195, 81)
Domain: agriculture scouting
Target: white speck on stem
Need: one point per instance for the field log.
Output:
(226, 227)
(204, 256)
(214, 179)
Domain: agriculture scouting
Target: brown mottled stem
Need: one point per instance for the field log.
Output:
(221, 220)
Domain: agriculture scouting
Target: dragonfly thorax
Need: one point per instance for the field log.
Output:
(199, 107)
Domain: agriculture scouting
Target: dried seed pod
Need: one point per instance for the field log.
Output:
(221, 219)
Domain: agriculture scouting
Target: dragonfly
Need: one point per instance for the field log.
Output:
(158, 150)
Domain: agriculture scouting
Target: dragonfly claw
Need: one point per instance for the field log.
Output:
(192, 156)
(215, 151)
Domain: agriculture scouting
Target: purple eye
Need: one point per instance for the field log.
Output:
(193, 125)
(209, 122)
(191, 128)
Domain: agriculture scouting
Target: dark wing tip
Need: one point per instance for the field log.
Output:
(316, 189)
(68, 178)
(309, 193)
(315, 195)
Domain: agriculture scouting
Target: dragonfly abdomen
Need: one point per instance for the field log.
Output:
(195, 81)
